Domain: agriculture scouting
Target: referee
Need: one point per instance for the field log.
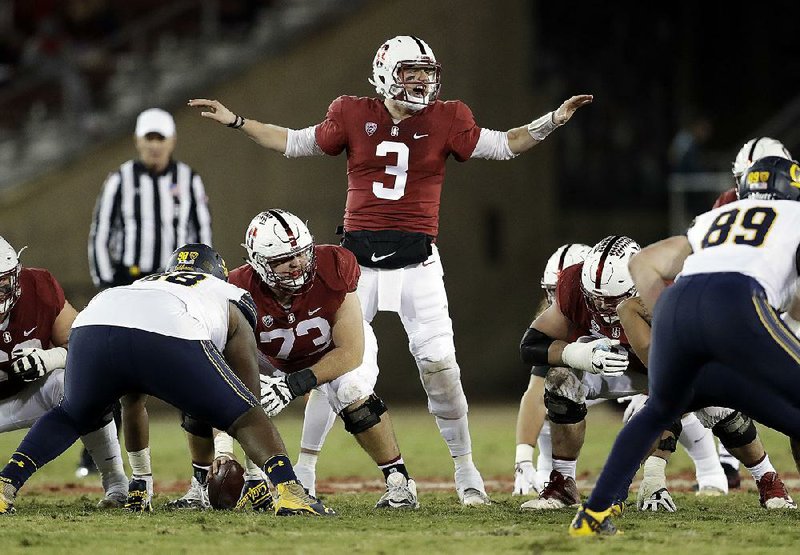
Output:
(148, 207)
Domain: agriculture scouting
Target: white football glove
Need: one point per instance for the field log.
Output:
(275, 395)
(596, 357)
(659, 500)
(29, 364)
(635, 404)
(524, 478)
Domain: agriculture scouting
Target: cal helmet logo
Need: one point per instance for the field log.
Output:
(370, 127)
(794, 172)
(757, 181)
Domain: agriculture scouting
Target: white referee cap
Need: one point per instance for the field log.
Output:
(155, 120)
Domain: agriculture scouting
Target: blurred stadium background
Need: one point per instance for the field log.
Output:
(74, 74)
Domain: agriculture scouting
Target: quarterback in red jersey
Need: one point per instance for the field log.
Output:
(397, 146)
(35, 320)
(581, 336)
(310, 331)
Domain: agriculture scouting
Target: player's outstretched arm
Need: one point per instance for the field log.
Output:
(655, 266)
(527, 136)
(267, 135)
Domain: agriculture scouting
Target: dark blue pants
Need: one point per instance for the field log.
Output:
(716, 341)
(107, 362)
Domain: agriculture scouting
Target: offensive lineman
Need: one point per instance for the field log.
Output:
(396, 147)
(718, 338)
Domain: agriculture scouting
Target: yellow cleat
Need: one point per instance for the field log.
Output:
(7, 495)
(590, 523)
(256, 492)
(618, 509)
(294, 500)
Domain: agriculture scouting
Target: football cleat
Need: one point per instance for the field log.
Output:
(8, 494)
(294, 500)
(469, 486)
(401, 493)
(591, 523)
(560, 492)
(195, 499)
(257, 493)
(710, 491)
(618, 508)
(113, 500)
(139, 498)
(772, 492)
(732, 475)
(659, 500)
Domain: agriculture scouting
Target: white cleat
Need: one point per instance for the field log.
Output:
(400, 493)
(710, 491)
(469, 486)
(196, 498)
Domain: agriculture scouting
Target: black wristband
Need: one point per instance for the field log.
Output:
(301, 382)
(237, 122)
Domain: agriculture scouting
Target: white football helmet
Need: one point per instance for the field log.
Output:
(605, 278)
(564, 257)
(406, 53)
(10, 267)
(274, 237)
(755, 149)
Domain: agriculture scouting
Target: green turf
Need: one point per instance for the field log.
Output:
(67, 522)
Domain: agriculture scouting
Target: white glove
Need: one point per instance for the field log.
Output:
(635, 404)
(524, 478)
(29, 364)
(660, 500)
(275, 395)
(596, 357)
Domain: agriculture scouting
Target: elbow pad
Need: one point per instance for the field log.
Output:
(534, 346)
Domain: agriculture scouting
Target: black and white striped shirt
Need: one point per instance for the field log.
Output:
(141, 217)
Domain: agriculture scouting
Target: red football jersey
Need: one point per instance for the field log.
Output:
(395, 170)
(573, 305)
(31, 321)
(297, 338)
(726, 198)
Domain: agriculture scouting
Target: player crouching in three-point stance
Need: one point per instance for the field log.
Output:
(718, 338)
(186, 337)
(310, 330)
(397, 146)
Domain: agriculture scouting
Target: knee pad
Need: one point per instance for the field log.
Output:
(442, 383)
(711, 416)
(561, 410)
(562, 382)
(735, 430)
(365, 416)
(196, 427)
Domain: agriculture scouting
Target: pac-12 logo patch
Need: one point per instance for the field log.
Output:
(370, 128)
(267, 320)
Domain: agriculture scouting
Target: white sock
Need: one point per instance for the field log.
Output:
(456, 434)
(252, 471)
(317, 421)
(544, 463)
(307, 459)
(699, 443)
(104, 448)
(761, 468)
(564, 467)
(140, 463)
(463, 461)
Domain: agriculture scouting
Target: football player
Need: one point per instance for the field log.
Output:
(310, 330)
(532, 426)
(184, 336)
(581, 337)
(397, 146)
(35, 319)
(718, 337)
(736, 431)
(751, 151)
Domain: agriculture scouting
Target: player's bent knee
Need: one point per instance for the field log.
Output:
(669, 442)
(564, 383)
(364, 416)
(196, 427)
(735, 430)
(562, 410)
(442, 382)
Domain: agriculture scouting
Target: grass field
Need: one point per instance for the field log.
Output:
(56, 511)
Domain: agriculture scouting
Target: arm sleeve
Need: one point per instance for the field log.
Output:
(493, 145)
(105, 213)
(302, 142)
(201, 214)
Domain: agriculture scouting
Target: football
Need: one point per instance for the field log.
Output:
(225, 486)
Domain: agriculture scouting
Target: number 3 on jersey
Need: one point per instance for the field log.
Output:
(753, 227)
(399, 171)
